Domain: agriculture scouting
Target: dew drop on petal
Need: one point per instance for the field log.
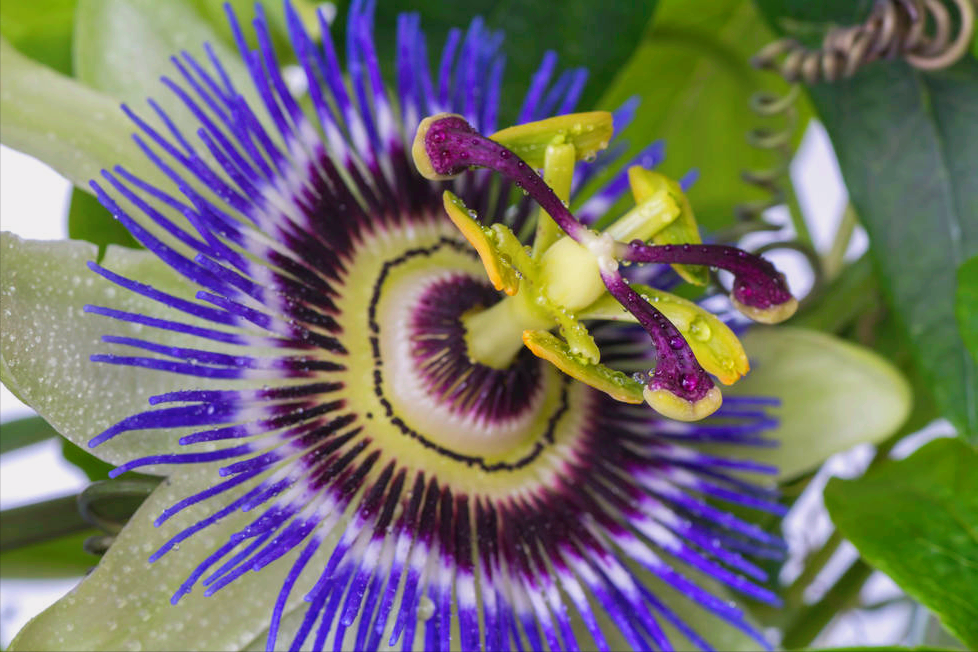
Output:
(426, 608)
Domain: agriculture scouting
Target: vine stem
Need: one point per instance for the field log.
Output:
(811, 620)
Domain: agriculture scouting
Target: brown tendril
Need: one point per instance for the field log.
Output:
(918, 31)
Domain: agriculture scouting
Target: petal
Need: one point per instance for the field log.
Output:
(123, 47)
(834, 394)
(73, 128)
(125, 603)
(48, 338)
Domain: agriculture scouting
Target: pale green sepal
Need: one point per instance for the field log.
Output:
(124, 604)
(834, 394)
(47, 340)
(646, 184)
(589, 133)
(123, 47)
(74, 129)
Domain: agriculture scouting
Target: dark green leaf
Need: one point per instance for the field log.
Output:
(693, 74)
(23, 432)
(907, 143)
(600, 36)
(967, 304)
(917, 521)
(41, 29)
(62, 557)
(88, 220)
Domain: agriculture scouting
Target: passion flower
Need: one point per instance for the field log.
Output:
(405, 377)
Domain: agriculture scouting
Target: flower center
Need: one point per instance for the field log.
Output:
(413, 377)
(435, 388)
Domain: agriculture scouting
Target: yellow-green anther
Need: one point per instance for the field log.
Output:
(500, 271)
(715, 346)
(614, 383)
(645, 184)
(589, 133)
(558, 171)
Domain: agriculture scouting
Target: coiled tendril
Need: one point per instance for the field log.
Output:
(918, 31)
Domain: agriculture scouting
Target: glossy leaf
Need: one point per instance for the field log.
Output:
(907, 143)
(89, 220)
(693, 75)
(834, 394)
(917, 521)
(41, 29)
(966, 305)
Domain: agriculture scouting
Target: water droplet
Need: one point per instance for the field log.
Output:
(426, 608)
(700, 329)
(677, 342)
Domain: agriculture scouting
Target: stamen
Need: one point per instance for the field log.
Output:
(759, 289)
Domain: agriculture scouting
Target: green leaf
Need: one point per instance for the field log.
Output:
(966, 305)
(834, 394)
(600, 36)
(907, 143)
(693, 75)
(24, 432)
(47, 339)
(89, 220)
(125, 601)
(41, 29)
(61, 557)
(90, 465)
(74, 129)
(917, 521)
